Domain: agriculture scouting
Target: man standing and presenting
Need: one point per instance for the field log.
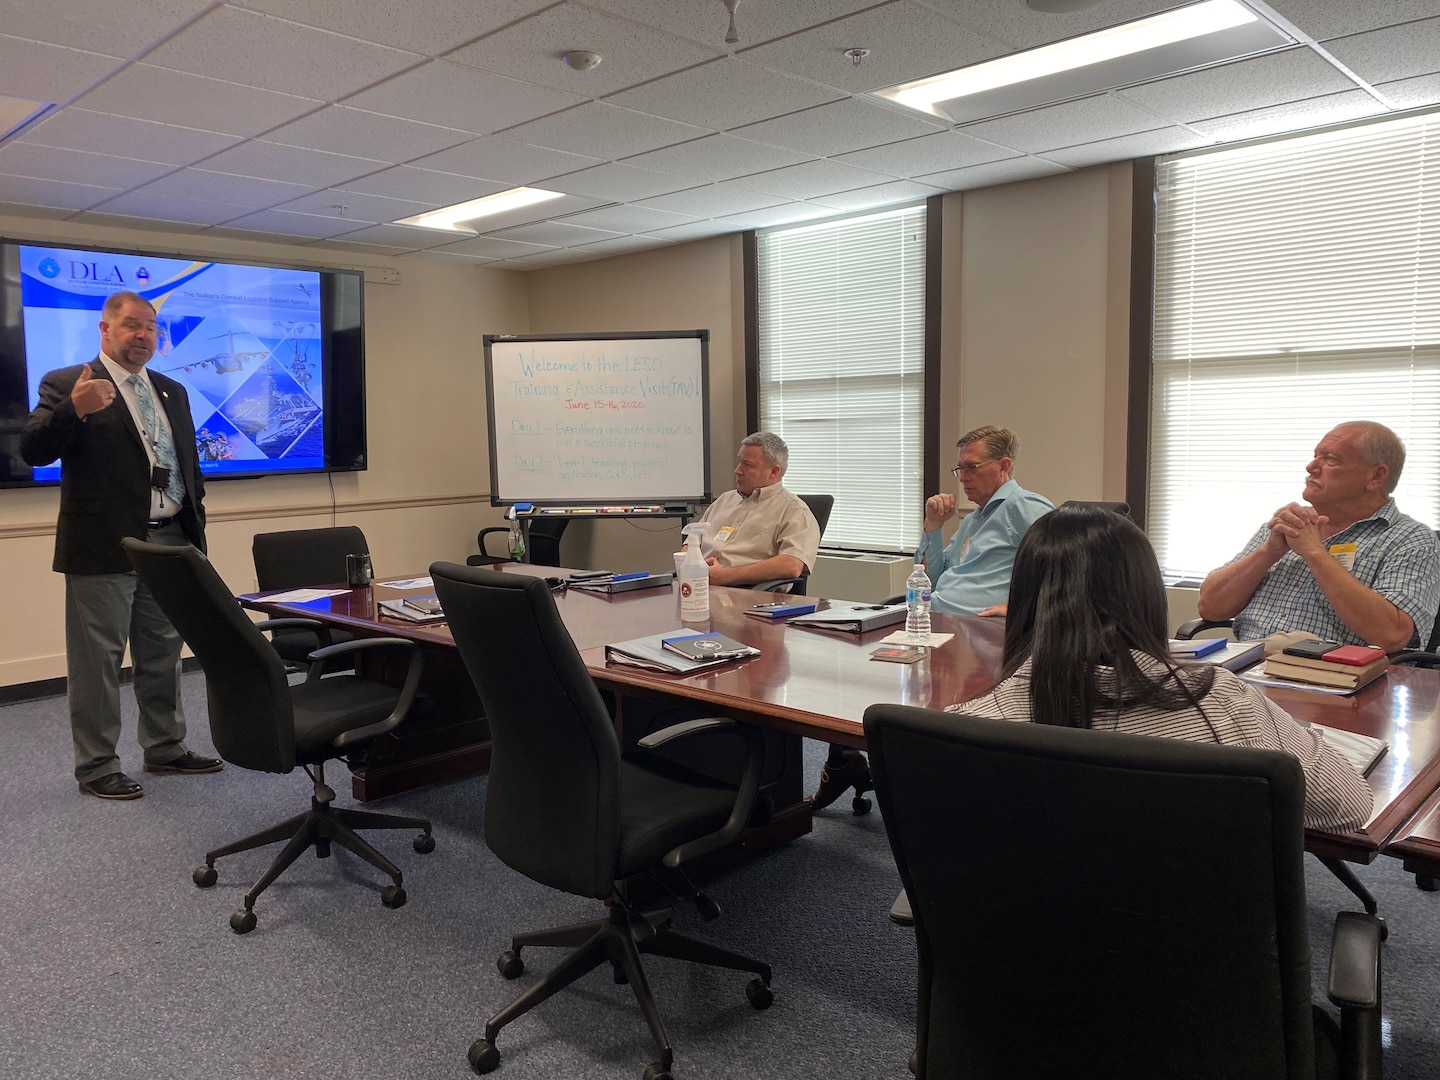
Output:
(1348, 567)
(970, 576)
(760, 531)
(128, 468)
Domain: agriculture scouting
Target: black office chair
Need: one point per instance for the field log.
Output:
(260, 722)
(1095, 904)
(1121, 508)
(820, 506)
(566, 810)
(300, 558)
(544, 532)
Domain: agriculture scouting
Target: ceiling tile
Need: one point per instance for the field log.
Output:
(811, 179)
(897, 191)
(52, 193)
(405, 237)
(1100, 117)
(1246, 84)
(995, 172)
(695, 230)
(461, 97)
(841, 126)
(724, 94)
(927, 154)
(38, 213)
(430, 27)
(286, 223)
(40, 72)
(786, 214)
(118, 136)
(490, 248)
(1400, 52)
(355, 206)
(1296, 116)
(712, 200)
(135, 222)
(53, 163)
(1325, 19)
(622, 244)
(1413, 93)
(343, 130)
(906, 41)
(551, 208)
(254, 49)
(172, 208)
(555, 257)
(250, 192)
(435, 255)
(507, 160)
(340, 244)
(604, 131)
(144, 92)
(422, 185)
(628, 219)
(73, 23)
(706, 23)
(618, 182)
(531, 49)
(718, 157)
(555, 234)
(1016, 24)
(314, 167)
(1165, 141)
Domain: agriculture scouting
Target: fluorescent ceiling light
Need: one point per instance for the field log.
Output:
(447, 217)
(1157, 32)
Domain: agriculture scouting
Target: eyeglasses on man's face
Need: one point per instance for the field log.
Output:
(970, 468)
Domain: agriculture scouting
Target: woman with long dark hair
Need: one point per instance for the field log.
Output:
(1086, 646)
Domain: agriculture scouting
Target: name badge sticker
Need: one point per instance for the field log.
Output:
(721, 536)
(1344, 554)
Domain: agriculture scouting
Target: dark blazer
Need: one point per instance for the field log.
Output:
(104, 471)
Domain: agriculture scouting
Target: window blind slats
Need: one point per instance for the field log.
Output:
(1297, 285)
(841, 325)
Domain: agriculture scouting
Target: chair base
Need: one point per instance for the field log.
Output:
(618, 940)
(322, 825)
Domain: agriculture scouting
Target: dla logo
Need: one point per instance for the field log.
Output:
(49, 268)
(142, 274)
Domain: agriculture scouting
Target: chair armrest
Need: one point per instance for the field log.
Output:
(408, 691)
(321, 630)
(745, 795)
(898, 598)
(1187, 630)
(480, 542)
(1355, 961)
(1415, 658)
(784, 584)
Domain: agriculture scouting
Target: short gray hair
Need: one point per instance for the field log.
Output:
(1381, 446)
(115, 301)
(998, 442)
(772, 446)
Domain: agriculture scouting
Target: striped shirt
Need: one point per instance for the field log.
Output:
(1395, 556)
(1337, 798)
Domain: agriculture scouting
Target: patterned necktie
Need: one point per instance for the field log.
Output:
(159, 437)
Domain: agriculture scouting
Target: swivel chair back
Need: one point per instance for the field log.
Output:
(300, 558)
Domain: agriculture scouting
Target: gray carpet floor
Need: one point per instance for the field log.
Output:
(116, 965)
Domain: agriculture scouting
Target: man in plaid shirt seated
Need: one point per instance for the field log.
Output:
(1347, 567)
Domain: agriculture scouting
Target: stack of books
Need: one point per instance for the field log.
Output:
(1328, 664)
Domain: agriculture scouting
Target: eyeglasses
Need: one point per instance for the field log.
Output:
(971, 468)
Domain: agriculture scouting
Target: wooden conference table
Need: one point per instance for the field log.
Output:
(818, 685)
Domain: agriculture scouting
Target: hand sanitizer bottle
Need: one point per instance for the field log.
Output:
(694, 578)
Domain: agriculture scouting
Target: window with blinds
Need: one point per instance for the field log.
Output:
(841, 368)
(1297, 286)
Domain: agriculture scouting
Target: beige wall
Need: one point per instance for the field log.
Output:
(425, 494)
(1034, 323)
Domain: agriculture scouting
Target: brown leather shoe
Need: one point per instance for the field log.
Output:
(115, 785)
(855, 772)
(188, 763)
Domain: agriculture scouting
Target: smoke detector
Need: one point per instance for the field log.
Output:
(581, 60)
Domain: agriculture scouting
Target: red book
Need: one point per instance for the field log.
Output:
(1354, 655)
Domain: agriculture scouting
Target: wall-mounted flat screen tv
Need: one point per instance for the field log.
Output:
(273, 357)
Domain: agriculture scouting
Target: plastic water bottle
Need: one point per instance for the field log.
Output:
(917, 602)
(517, 540)
(694, 578)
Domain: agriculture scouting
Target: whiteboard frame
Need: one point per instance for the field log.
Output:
(497, 498)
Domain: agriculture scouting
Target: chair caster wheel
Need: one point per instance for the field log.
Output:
(510, 965)
(1427, 882)
(759, 994)
(617, 973)
(861, 806)
(392, 896)
(424, 843)
(656, 1071)
(242, 922)
(483, 1056)
(709, 910)
(1384, 927)
(204, 876)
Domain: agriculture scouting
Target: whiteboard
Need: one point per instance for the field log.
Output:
(602, 419)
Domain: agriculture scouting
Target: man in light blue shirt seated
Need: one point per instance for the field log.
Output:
(972, 573)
